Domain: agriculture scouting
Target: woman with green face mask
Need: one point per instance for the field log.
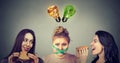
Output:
(60, 45)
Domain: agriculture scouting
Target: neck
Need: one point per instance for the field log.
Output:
(23, 52)
(101, 57)
(23, 55)
(100, 60)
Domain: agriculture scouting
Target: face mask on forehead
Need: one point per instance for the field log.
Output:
(58, 51)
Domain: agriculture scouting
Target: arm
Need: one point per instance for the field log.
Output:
(82, 54)
(10, 58)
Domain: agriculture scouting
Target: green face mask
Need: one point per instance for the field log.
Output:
(58, 50)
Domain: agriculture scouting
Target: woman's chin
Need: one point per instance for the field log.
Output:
(60, 55)
(93, 53)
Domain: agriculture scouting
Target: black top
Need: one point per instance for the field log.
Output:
(5, 60)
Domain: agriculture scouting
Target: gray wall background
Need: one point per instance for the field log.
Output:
(90, 16)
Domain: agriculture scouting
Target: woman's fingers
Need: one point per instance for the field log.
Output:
(15, 54)
(82, 53)
(34, 57)
(82, 50)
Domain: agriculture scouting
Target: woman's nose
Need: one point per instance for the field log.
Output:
(61, 47)
(28, 43)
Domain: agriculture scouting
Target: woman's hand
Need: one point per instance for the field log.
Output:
(82, 53)
(10, 58)
(34, 57)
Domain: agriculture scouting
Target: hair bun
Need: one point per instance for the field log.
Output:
(61, 30)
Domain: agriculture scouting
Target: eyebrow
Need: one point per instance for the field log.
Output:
(57, 43)
(31, 40)
(25, 38)
(28, 39)
(64, 43)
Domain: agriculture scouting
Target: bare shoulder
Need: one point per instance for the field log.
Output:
(47, 57)
(71, 56)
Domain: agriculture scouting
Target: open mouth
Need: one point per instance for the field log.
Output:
(26, 48)
(93, 49)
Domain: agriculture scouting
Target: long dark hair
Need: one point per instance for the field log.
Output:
(110, 48)
(19, 40)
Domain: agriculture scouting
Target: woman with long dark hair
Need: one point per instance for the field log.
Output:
(104, 46)
(24, 49)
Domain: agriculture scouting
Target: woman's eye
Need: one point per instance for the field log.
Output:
(31, 41)
(64, 44)
(57, 44)
(25, 40)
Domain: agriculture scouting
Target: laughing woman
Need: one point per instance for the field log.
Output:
(24, 49)
(104, 46)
